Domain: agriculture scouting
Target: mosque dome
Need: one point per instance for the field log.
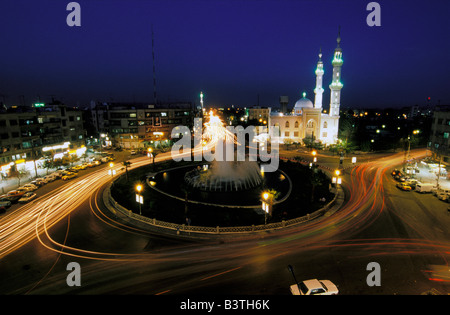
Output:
(303, 103)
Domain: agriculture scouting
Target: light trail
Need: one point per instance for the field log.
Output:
(366, 202)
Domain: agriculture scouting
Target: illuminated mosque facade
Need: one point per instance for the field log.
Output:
(308, 120)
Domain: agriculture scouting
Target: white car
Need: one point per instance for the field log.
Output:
(314, 287)
(42, 179)
(50, 178)
(30, 187)
(27, 197)
(133, 152)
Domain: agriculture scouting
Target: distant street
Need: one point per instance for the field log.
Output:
(406, 233)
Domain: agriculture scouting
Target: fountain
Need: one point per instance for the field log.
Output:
(220, 182)
(225, 176)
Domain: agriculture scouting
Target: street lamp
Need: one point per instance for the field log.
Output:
(314, 156)
(152, 156)
(139, 197)
(337, 179)
(111, 171)
(267, 202)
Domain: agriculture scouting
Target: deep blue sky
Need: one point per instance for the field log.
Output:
(232, 50)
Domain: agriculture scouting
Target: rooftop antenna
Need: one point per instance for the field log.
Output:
(154, 73)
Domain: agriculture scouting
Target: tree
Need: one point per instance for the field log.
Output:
(48, 163)
(287, 142)
(126, 164)
(73, 158)
(15, 172)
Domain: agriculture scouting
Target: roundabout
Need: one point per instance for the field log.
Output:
(171, 208)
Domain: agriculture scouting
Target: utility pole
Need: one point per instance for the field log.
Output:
(154, 72)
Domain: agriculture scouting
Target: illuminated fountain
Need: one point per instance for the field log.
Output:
(222, 179)
(223, 175)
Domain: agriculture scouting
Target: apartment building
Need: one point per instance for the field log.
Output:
(139, 125)
(28, 134)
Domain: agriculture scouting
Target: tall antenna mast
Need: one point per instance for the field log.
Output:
(154, 72)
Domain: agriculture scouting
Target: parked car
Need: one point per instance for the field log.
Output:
(69, 176)
(314, 287)
(404, 186)
(43, 179)
(38, 182)
(49, 178)
(396, 172)
(27, 197)
(15, 192)
(435, 191)
(80, 167)
(442, 196)
(10, 198)
(412, 182)
(4, 205)
(133, 152)
(56, 174)
(424, 187)
(3, 198)
(24, 189)
(30, 187)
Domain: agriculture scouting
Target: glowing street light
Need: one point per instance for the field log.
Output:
(267, 202)
(337, 179)
(314, 153)
(139, 197)
(111, 171)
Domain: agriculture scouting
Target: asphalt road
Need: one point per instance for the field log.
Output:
(406, 233)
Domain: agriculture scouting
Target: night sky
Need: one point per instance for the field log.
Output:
(236, 51)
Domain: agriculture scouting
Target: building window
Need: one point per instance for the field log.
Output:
(286, 133)
(296, 124)
(325, 125)
(445, 135)
(286, 124)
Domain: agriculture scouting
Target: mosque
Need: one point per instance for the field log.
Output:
(308, 120)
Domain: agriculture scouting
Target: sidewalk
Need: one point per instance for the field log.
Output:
(12, 183)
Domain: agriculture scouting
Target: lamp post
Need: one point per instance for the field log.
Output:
(111, 171)
(267, 202)
(314, 153)
(139, 197)
(152, 156)
(336, 179)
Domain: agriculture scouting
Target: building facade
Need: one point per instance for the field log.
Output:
(440, 134)
(308, 120)
(139, 125)
(29, 134)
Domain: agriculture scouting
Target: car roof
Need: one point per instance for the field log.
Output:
(313, 283)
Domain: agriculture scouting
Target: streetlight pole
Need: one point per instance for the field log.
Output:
(267, 202)
(139, 198)
(111, 171)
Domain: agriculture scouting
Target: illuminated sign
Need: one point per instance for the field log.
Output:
(65, 145)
